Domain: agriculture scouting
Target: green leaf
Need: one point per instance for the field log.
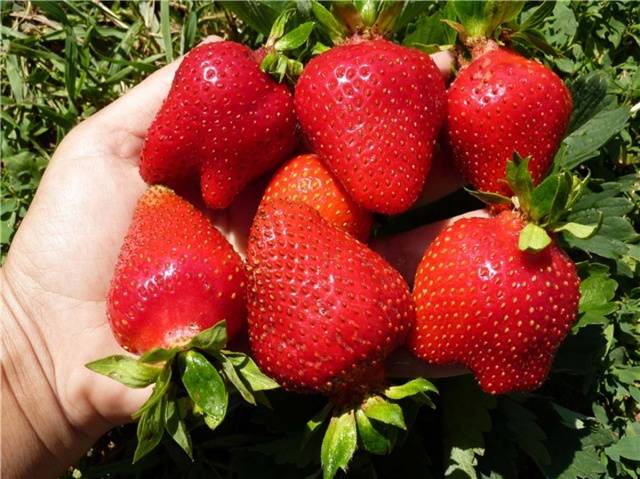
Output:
(627, 447)
(465, 410)
(588, 93)
(548, 193)
(158, 355)
(378, 408)
(204, 386)
(269, 62)
(150, 429)
(616, 236)
(431, 30)
(535, 39)
(410, 388)
(585, 142)
(519, 180)
(334, 29)
(489, 198)
(411, 10)
(313, 424)
(578, 230)
(250, 372)
(278, 28)
(126, 370)
(596, 293)
(581, 460)
(295, 38)
(233, 377)
(372, 439)
(537, 18)
(210, 340)
(319, 48)
(481, 19)
(533, 238)
(159, 390)
(525, 430)
(564, 198)
(260, 16)
(176, 428)
(339, 444)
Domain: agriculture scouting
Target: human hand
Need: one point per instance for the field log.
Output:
(57, 274)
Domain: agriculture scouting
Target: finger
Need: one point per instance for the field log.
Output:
(444, 61)
(402, 364)
(443, 178)
(235, 221)
(405, 250)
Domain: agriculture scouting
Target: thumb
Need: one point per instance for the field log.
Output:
(444, 62)
(404, 251)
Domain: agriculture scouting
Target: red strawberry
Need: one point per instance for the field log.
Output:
(500, 104)
(482, 302)
(372, 111)
(305, 179)
(224, 121)
(176, 276)
(324, 310)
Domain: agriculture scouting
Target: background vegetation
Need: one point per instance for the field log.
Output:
(62, 61)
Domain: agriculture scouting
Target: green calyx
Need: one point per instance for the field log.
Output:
(364, 18)
(374, 424)
(194, 377)
(497, 20)
(544, 206)
(283, 49)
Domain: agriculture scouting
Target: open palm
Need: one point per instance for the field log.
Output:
(60, 264)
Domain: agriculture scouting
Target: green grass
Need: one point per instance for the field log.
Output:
(62, 61)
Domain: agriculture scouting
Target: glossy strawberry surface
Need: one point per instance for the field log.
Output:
(224, 123)
(305, 179)
(176, 275)
(500, 104)
(372, 110)
(324, 310)
(482, 302)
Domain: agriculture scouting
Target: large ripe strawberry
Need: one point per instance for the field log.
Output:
(224, 122)
(175, 277)
(324, 310)
(484, 303)
(500, 104)
(372, 110)
(324, 313)
(177, 295)
(305, 179)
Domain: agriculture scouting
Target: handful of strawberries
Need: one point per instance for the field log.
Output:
(322, 310)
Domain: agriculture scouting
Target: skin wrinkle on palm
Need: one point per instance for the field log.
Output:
(60, 264)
